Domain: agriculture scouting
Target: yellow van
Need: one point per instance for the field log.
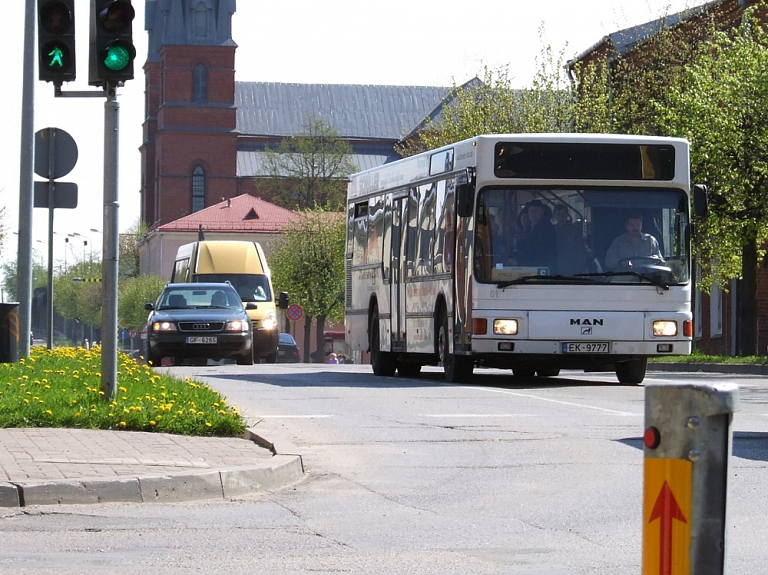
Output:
(242, 264)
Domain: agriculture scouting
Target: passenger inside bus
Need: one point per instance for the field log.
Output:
(573, 256)
(539, 249)
(501, 238)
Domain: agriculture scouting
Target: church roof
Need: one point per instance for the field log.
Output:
(244, 213)
(356, 112)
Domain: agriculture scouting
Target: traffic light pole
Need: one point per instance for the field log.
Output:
(26, 163)
(110, 246)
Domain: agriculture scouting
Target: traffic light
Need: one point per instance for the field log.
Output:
(56, 40)
(112, 51)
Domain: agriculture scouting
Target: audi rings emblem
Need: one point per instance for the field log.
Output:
(201, 326)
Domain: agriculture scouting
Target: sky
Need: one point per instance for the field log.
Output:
(398, 42)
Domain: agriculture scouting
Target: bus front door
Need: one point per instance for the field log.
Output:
(398, 267)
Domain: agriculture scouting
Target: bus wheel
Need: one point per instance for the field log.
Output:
(548, 372)
(632, 372)
(458, 368)
(383, 362)
(408, 369)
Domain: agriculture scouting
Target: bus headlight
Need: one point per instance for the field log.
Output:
(505, 326)
(664, 328)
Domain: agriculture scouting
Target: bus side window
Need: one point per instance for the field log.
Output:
(426, 229)
(361, 232)
(412, 230)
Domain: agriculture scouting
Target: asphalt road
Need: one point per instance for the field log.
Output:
(414, 476)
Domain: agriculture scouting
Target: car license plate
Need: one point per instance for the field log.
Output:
(202, 339)
(585, 347)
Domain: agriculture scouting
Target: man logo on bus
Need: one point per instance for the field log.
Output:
(586, 321)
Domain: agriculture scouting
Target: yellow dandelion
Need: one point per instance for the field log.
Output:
(49, 412)
(122, 424)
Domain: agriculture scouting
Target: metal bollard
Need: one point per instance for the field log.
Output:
(688, 441)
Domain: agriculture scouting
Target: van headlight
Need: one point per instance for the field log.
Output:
(270, 322)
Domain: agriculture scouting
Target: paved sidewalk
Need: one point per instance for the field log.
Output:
(75, 466)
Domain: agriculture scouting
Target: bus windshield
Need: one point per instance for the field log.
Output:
(586, 235)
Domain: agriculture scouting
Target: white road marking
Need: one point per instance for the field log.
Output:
(319, 416)
(477, 415)
(570, 403)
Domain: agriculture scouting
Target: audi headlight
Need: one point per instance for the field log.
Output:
(270, 322)
(505, 326)
(238, 325)
(664, 328)
(163, 326)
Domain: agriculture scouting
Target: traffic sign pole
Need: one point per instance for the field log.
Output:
(687, 443)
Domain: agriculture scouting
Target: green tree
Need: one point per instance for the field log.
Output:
(720, 107)
(10, 275)
(129, 250)
(79, 300)
(309, 170)
(620, 95)
(308, 263)
(134, 293)
(493, 106)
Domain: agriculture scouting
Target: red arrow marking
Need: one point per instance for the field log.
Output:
(666, 509)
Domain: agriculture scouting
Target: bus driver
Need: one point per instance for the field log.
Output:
(633, 244)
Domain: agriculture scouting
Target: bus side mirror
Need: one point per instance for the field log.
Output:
(283, 301)
(465, 194)
(700, 201)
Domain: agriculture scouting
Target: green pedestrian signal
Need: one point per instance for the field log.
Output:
(56, 40)
(111, 42)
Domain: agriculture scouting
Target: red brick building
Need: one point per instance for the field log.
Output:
(205, 133)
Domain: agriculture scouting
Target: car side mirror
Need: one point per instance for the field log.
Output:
(149, 306)
(283, 301)
(251, 305)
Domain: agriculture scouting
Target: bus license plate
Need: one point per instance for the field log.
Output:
(585, 347)
(201, 339)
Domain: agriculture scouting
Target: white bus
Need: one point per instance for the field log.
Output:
(533, 252)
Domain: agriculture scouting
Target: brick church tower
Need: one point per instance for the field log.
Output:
(189, 149)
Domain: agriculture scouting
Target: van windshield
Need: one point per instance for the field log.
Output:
(250, 287)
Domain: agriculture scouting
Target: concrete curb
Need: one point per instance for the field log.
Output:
(282, 469)
(735, 368)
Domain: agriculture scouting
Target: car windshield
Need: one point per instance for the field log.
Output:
(286, 338)
(587, 235)
(183, 297)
